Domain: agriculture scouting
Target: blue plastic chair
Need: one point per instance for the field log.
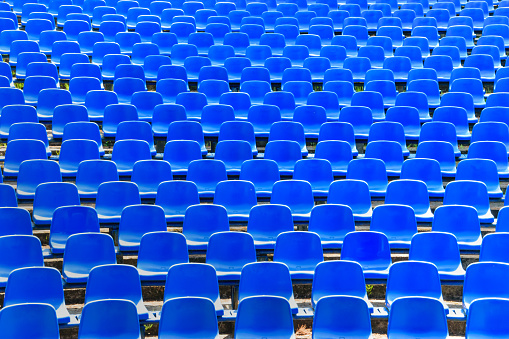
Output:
(337, 152)
(371, 99)
(266, 222)
(398, 192)
(241, 103)
(455, 115)
(94, 326)
(441, 151)
(490, 131)
(37, 285)
(371, 250)
(16, 221)
(480, 282)
(353, 310)
(187, 130)
(440, 131)
(8, 196)
(103, 284)
(69, 220)
(33, 173)
(324, 221)
(29, 320)
(347, 41)
(234, 65)
(274, 311)
(285, 130)
(127, 152)
(137, 130)
(19, 251)
(130, 232)
(266, 279)
(388, 131)
(284, 100)
(212, 116)
(402, 321)
(296, 194)
(179, 153)
(177, 313)
(482, 60)
(338, 131)
(426, 170)
(263, 173)
(372, 171)
(311, 117)
(197, 233)
(484, 170)
(238, 197)
(148, 174)
(344, 91)
(440, 249)
(360, 117)
(493, 150)
(73, 152)
(300, 251)
(49, 196)
(326, 284)
(34, 85)
(21, 150)
(16, 114)
(182, 282)
(492, 248)
(471, 86)
(175, 197)
(328, 100)
(477, 197)
(85, 251)
(447, 219)
(256, 90)
(318, 172)
(397, 222)
(108, 209)
(460, 99)
(164, 115)
(359, 66)
(228, 252)
(152, 265)
(193, 102)
(408, 117)
(92, 173)
(484, 318)
(49, 100)
(388, 151)
(424, 281)
(415, 99)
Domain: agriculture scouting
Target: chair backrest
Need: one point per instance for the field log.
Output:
(275, 312)
(370, 249)
(178, 316)
(193, 279)
(31, 320)
(123, 320)
(115, 281)
(424, 281)
(402, 321)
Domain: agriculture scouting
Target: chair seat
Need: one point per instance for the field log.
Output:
(152, 276)
(265, 245)
(424, 217)
(399, 244)
(363, 216)
(111, 219)
(376, 274)
(302, 275)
